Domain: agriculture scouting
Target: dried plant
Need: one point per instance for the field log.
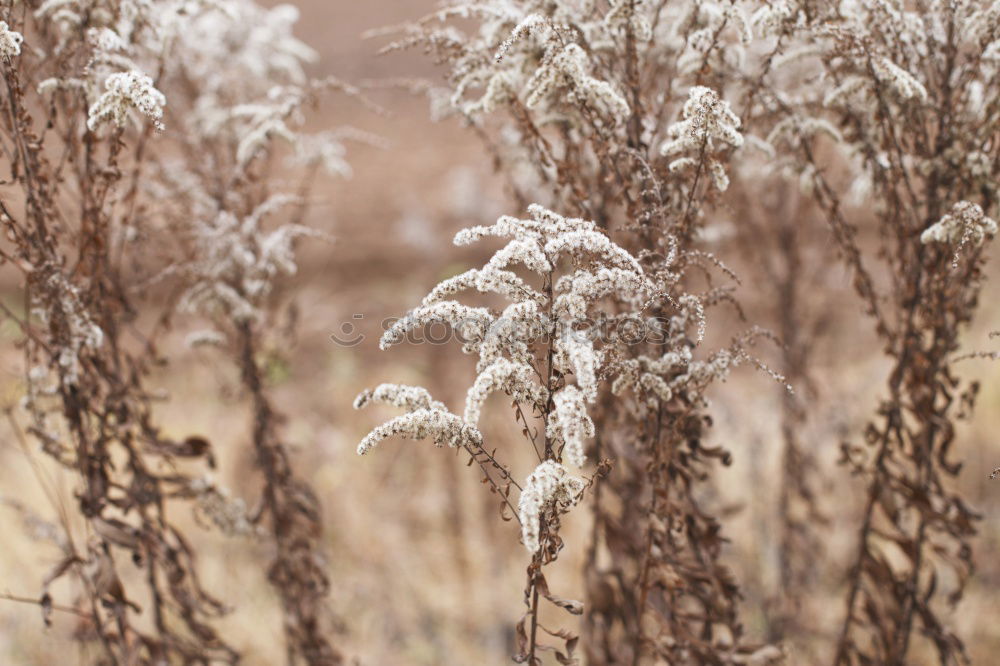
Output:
(617, 112)
(909, 97)
(529, 350)
(139, 137)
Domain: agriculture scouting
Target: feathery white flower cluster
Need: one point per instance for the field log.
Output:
(964, 223)
(658, 380)
(876, 54)
(510, 335)
(238, 261)
(256, 43)
(520, 251)
(717, 367)
(123, 40)
(571, 423)
(645, 376)
(513, 378)
(550, 488)
(425, 417)
(560, 80)
(399, 395)
(513, 344)
(542, 222)
(594, 243)
(124, 92)
(258, 98)
(105, 40)
(630, 14)
(860, 64)
(558, 59)
(566, 67)
(575, 351)
(709, 126)
(10, 41)
(470, 322)
(582, 288)
(698, 28)
(532, 22)
(496, 281)
(537, 243)
(500, 90)
(257, 124)
(440, 425)
(125, 17)
(900, 81)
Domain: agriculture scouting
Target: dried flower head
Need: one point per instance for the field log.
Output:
(511, 377)
(900, 81)
(237, 260)
(571, 423)
(124, 92)
(410, 398)
(10, 41)
(565, 67)
(964, 223)
(436, 423)
(550, 488)
(709, 127)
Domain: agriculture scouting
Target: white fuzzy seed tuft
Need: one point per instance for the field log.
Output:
(124, 92)
(550, 485)
(10, 41)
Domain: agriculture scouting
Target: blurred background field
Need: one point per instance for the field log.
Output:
(432, 579)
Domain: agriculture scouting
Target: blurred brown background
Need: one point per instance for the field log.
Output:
(423, 572)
